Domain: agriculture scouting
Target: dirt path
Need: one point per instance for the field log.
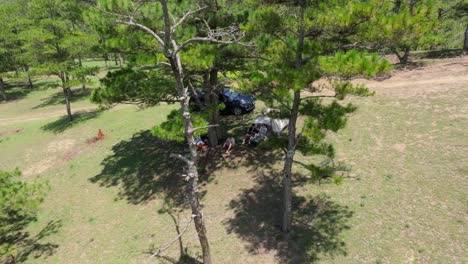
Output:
(441, 77)
(46, 115)
(40, 116)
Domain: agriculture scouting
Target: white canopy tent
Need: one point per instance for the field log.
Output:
(276, 125)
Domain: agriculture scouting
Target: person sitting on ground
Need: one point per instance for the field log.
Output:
(202, 147)
(251, 131)
(230, 141)
(261, 135)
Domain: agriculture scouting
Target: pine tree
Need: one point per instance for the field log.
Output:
(52, 39)
(168, 34)
(215, 61)
(11, 43)
(453, 15)
(301, 42)
(19, 203)
(404, 25)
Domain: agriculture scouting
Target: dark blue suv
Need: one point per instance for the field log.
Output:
(236, 103)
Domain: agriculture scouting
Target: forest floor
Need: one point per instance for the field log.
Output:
(110, 201)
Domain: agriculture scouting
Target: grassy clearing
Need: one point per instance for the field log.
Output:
(46, 99)
(404, 202)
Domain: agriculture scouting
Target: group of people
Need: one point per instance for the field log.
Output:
(202, 144)
(255, 133)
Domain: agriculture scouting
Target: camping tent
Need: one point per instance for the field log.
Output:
(275, 125)
(278, 125)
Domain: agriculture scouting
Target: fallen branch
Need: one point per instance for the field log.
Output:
(168, 245)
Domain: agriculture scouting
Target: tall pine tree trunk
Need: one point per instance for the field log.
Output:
(121, 60)
(397, 6)
(465, 43)
(193, 188)
(66, 92)
(405, 57)
(2, 90)
(116, 59)
(171, 52)
(216, 117)
(292, 139)
(288, 163)
(211, 98)
(30, 83)
(402, 58)
(193, 183)
(80, 63)
(106, 58)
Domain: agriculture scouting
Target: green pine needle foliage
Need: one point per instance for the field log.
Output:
(173, 128)
(346, 88)
(19, 202)
(353, 63)
(134, 86)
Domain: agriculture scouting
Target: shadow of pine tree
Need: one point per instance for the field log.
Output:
(317, 223)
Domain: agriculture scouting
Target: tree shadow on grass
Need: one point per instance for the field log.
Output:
(32, 246)
(63, 123)
(59, 98)
(18, 90)
(317, 223)
(143, 170)
(35, 248)
(437, 54)
(253, 159)
(16, 93)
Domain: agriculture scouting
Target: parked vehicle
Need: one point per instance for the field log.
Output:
(235, 103)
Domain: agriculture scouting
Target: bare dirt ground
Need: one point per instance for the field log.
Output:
(58, 152)
(423, 81)
(40, 116)
(50, 114)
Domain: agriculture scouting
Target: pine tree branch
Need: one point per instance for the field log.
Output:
(140, 4)
(197, 98)
(284, 41)
(284, 150)
(167, 28)
(216, 36)
(130, 21)
(211, 40)
(112, 13)
(178, 156)
(144, 28)
(318, 96)
(200, 128)
(185, 16)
